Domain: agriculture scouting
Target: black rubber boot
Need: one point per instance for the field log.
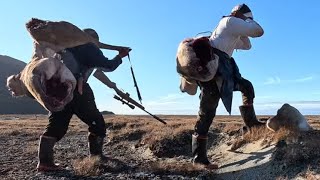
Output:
(199, 151)
(249, 117)
(95, 146)
(45, 155)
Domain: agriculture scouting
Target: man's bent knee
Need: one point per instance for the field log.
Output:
(247, 91)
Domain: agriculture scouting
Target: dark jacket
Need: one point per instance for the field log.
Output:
(230, 75)
(83, 58)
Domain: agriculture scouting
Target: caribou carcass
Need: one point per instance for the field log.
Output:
(45, 77)
(195, 62)
(290, 118)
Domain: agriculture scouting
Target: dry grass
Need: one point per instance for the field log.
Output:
(311, 175)
(32, 148)
(173, 139)
(175, 167)
(262, 133)
(87, 166)
(151, 131)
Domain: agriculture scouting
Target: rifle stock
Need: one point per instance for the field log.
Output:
(127, 97)
(122, 96)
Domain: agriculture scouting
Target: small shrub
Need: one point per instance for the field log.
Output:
(87, 166)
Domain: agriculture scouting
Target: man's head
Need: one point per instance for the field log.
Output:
(242, 9)
(92, 33)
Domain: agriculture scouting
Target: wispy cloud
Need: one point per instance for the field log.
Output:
(272, 81)
(304, 79)
(172, 104)
(172, 97)
(277, 80)
(166, 100)
(264, 97)
(305, 107)
(291, 102)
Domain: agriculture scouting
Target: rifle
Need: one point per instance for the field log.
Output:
(126, 101)
(135, 81)
(121, 96)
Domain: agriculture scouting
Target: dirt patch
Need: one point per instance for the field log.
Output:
(169, 147)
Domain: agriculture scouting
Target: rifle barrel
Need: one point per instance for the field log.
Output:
(154, 116)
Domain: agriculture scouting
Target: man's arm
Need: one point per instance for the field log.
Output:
(111, 47)
(243, 43)
(103, 78)
(91, 56)
(248, 27)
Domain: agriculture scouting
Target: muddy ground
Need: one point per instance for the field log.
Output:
(140, 147)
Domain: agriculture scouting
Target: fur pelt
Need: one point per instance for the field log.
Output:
(195, 62)
(57, 35)
(195, 59)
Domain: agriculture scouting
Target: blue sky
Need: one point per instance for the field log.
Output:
(282, 65)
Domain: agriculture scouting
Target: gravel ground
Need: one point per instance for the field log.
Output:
(128, 157)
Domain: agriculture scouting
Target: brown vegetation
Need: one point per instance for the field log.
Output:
(140, 147)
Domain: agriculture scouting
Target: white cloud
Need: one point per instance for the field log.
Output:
(172, 97)
(173, 104)
(263, 97)
(304, 79)
(277, 80)
(305, 107)
(272, 81)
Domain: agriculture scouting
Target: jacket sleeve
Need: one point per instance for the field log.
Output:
(247, 27)
(243, 43)
(92, 57)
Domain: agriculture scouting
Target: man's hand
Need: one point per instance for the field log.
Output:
(124, 51)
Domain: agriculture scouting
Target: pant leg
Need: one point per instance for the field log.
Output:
(242, 84)
(209, 99)
(59, 122)
(247, 90)
(88, 112)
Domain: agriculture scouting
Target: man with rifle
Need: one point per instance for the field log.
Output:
(81, 60)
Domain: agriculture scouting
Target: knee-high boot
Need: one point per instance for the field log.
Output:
(249, 116)
(199, 151)
(45, 155)
(95, 144)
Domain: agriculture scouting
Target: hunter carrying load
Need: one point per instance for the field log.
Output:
(64, 57)
(207, 62)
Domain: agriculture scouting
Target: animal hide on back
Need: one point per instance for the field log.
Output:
(57, 35)
(290, 118)
(195, 62)
(45, 77)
